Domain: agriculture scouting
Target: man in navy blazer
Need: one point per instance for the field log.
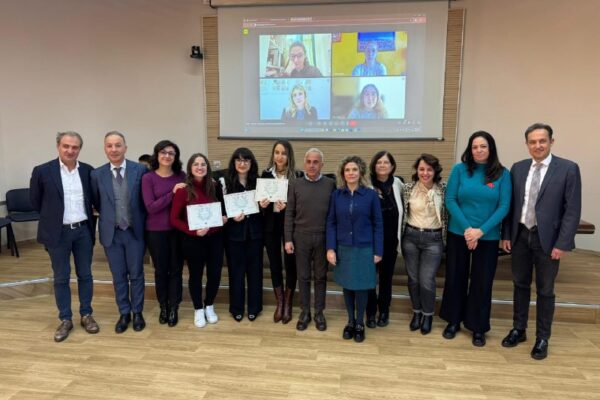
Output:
(60, 191)
(540, 228)
(117, 189)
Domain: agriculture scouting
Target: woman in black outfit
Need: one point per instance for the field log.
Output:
(244, 240)
(389, 189)
(281, 166)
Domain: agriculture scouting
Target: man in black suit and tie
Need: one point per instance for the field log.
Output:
(116, 186)
(540, 228)
(60, 191)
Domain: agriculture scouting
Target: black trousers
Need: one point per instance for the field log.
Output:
(527, 253)
(198, 252)
(244, 261)
(468, 285)
(385, 268)
(274, 245)
(166, 253)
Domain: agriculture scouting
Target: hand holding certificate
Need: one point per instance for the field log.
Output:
(272, 189)
(202, 216)
(240, 203)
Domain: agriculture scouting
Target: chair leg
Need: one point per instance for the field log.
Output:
(12, 241)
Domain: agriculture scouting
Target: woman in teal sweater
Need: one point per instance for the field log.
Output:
(477, 198)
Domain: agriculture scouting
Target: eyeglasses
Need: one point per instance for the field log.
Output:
(242, 161)
(295, 56)
(167, 153)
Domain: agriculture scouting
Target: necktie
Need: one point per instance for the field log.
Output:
(534, 190)
(123, 224)
(118, 176)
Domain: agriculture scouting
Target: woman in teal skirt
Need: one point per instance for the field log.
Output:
(354, 241)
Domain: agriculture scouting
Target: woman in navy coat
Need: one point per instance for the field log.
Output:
(354, 241)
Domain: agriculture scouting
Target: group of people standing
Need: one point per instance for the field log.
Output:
(358, 226)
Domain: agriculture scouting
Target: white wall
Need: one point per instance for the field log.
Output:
(93, 66)
(98, 65)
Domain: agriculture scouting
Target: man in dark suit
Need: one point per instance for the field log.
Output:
(117, 189)
(60, 191)
(541, 227)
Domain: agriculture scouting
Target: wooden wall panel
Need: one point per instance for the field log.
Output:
(404, 151)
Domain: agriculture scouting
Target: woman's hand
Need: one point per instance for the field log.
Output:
(472, 245)
(279, 205)
(264, 203)
(239, 218)
(473, 234)
(224, 219)
(331, 257)
(178, 186)
(376, 258)
(202, 232)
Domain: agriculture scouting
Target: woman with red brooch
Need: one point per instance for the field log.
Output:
(477, 198)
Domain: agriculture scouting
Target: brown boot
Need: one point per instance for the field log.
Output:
(287, 306)
(279, 299)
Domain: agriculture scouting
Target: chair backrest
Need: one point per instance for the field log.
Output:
(17, 200)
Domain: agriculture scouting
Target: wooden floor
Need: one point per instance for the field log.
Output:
(263, 360)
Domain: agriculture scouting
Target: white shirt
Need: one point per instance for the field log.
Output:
(544, 168)
(113, 168)
(73, 194)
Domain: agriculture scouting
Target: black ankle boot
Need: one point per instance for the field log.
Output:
(173, 316)
(164, 313)
(415, 322)
(426, 324)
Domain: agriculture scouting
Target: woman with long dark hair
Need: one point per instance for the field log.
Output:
(201, 247)
(244, 239)
(158, 189)
(424, 231)
(281, 166)
(477, 198)
(389, 189)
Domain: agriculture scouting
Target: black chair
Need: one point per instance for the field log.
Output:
(19, 207)
(10, 241)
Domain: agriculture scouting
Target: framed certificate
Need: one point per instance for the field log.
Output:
(201, 216)
(272, 189)
(242, 202)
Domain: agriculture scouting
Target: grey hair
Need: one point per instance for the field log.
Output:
(74, 134)
(117, 133)
(314, 150)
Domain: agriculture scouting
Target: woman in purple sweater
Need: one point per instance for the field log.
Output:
(158, 187)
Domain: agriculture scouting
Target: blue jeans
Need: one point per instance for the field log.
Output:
(79, 242)
(422, 253)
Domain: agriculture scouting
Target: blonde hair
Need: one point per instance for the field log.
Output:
(291, 109)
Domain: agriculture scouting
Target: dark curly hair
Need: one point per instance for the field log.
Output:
(161, 146)
(433, 162)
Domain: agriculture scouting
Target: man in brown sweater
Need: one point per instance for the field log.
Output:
(304, 230)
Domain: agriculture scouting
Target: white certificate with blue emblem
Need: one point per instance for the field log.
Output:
(202, 216)
(272, 189)
(240, 203)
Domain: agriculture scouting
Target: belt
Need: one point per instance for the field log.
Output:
(423, 229)
(76, 224)
(533, 228)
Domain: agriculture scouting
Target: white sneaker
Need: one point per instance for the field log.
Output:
(211, 315)
(199, 319)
